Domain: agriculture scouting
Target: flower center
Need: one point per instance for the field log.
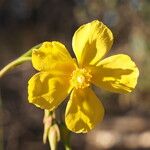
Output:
(80, 78)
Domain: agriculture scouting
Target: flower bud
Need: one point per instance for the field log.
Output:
(54, 136)
(48, 118)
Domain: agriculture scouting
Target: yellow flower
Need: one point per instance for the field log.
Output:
(60, 74)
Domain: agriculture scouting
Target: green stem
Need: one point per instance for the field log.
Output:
(23, 58)
(65, 136)
(13, 64)
(29, 52)
(67, 147)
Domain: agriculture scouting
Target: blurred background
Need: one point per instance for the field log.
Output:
(25, 23)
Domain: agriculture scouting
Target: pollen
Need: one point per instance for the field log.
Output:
(80, 78)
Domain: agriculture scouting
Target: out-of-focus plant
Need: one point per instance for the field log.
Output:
(60, 74)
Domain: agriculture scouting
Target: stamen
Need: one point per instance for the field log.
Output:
(80, 78)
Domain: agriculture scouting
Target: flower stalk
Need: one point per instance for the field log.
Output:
(65, 136)
(13, 64)
(23, 58)
(51, 129)
(54, 132)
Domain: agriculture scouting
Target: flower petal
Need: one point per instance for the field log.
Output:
(47, 91)
(91, 42)
(49, 54)
(117, 73)
(84, 111)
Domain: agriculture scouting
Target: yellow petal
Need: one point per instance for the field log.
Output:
(117, 73)
(63, 69)
(49, 54)
(91, 42)
(84, 111)
(47, 91)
